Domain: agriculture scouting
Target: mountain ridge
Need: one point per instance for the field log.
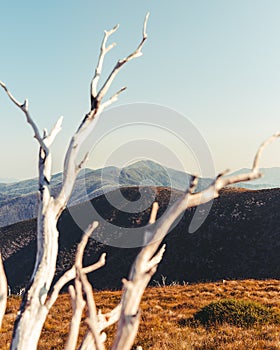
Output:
(18, 201)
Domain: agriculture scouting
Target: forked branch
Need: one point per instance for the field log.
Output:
(78, 305)
(78, 302)
(97, 322)
(44, 142)
(70, 275)
(103, 51)
(120, 63)
(71, 168)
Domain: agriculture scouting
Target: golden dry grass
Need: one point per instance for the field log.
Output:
(165, 314)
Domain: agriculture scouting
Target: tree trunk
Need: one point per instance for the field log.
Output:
(3, 291)
(33, 312)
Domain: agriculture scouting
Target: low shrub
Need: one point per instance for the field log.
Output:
(240, 313)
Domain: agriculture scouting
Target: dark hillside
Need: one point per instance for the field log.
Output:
(239, 239)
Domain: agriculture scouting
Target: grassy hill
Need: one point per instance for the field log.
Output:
(166, 321)
(238, 240)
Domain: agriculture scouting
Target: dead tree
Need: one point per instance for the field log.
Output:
(37, 299)
(33, 309)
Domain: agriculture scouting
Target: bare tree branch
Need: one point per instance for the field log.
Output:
(83, 243)
(261, 149)
(120, 63)
(70, 275)
(104, 321)
(92, 319)
(103, 51)
(78, 305)
(147, 260)
(151, 265)
(70, 169)
(153, 215)
(113, 98)
(108, 319)
(88, 342)
(96, 322)
(24, 107)
(55, 130)
(44, 142)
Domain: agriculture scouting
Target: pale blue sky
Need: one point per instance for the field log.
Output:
(215, 61)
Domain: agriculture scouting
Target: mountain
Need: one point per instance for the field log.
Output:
(240, 239)
(18, 201)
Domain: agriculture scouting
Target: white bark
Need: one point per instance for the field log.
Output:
(78, 303)
(3, 291)
(97, 322)
(149, 257)
(70, 275)
(34, 309)
(81, 283)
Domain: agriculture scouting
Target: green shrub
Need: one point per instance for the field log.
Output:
(241, 313)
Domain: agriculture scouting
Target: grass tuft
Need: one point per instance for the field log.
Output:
(241, 313)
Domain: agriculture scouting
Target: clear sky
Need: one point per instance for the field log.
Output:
(217, 62)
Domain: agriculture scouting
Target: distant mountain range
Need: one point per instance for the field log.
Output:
(270, 179)
(18, 201)
(8, 180)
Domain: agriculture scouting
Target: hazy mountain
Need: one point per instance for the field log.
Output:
(18, 201)
(239, 239)
(8, 180)
(270, 179)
